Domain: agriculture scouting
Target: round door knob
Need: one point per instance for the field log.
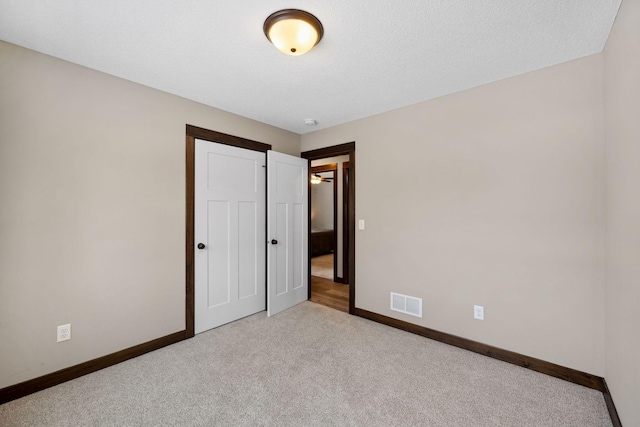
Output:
(274, 242)
(200, 245)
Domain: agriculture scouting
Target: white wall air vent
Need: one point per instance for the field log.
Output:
(406, 304)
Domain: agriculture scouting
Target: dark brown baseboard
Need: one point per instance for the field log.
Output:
(613, 413)
(25, 388)
(564, 373)
(577, 377)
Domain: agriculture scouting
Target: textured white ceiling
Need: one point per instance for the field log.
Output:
(376, 55)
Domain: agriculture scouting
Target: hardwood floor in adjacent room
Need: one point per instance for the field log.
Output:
(329, 293)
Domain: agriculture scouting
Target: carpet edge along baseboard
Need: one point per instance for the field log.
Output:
(562, 372)
(28, 387)
(25, 388)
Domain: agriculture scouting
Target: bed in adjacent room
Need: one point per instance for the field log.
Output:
(322, 241)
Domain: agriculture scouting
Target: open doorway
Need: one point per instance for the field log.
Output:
(326, 242)
(332, 226)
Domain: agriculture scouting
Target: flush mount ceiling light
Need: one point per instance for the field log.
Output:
(293, 31)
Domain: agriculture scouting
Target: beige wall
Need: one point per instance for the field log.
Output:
(322, 203)
(491, 196)
(622, 102)
(92, 191)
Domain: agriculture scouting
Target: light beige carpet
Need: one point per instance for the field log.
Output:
(310, 366)
(322, 266)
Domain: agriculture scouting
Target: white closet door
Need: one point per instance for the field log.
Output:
(287, 234)
(230, 206)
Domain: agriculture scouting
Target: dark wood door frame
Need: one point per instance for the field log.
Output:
(338, 150)
(194, 133)
(333, 167)
(345, 221)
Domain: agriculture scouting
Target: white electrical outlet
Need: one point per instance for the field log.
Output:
(361, 224)
(478, 312)
(64, 332)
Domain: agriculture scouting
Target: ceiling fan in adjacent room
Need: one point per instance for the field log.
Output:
(317, 179)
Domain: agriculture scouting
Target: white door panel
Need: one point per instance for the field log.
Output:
(230, 206)
(287, 255)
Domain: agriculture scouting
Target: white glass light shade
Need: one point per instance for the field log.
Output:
(293, 36)
(292, 31)
(315, 179)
